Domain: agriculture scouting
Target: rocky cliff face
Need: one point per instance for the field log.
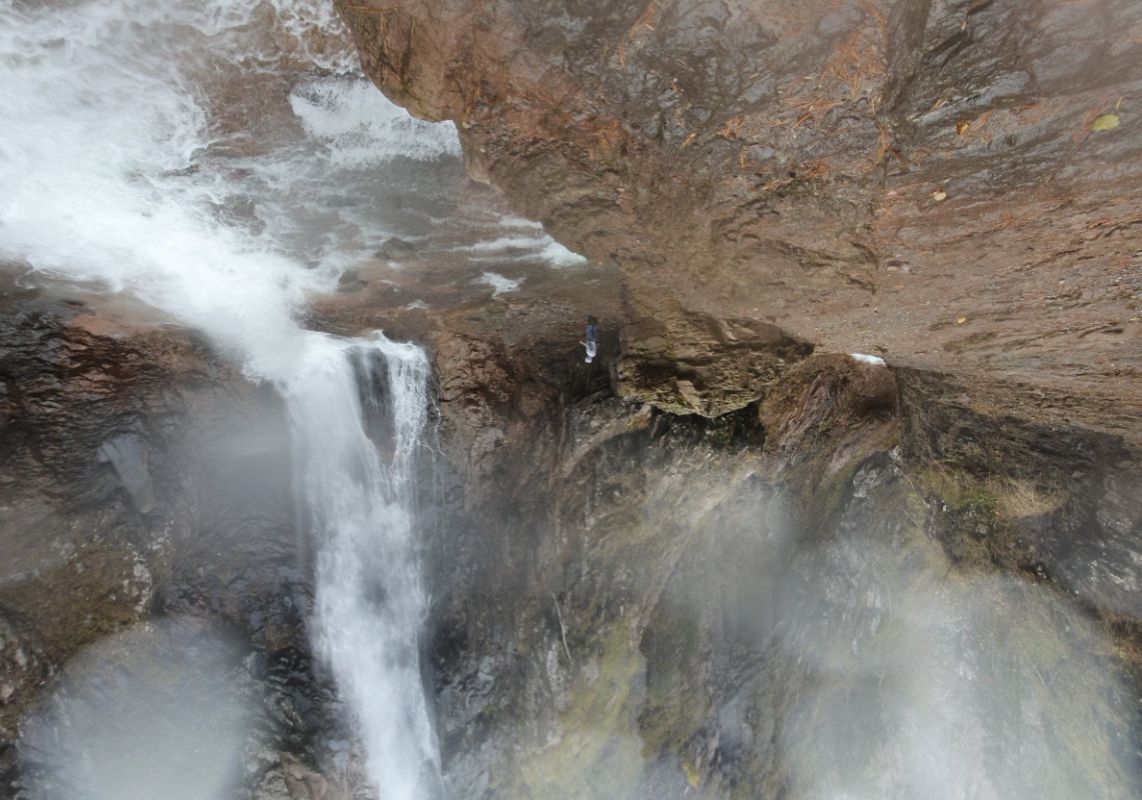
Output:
(142, 476)
(950, 184)
(651, 605)
(88, 415)
(630, 600)
(644, 604)
(631, 603)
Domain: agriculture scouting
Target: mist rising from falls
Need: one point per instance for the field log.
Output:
(119, 170)
(161, 709)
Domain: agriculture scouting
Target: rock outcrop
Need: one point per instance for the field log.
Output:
(953, 185)
(654, 605)
(142, 475)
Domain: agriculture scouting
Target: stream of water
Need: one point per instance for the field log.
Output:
(371, 603)
(123, 169)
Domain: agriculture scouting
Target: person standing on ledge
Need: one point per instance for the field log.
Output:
(592, 339)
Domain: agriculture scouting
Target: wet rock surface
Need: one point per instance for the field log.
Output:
(924, 181)
(656, 605)
(667, 606)
(88, 416)
(143, 476)
(630, 602)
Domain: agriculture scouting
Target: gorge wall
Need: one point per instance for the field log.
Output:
(144, 478)
(629, 602)
(662, 606)
(950, 185)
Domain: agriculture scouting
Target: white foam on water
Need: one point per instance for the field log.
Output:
(105, 159)
(525, 248)
(559, 256)
(512, 221)
(92, 135)
(319, 35)
(508, 244)
(499, 283)
(362, 127)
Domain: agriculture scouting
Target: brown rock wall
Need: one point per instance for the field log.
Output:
(918, 180)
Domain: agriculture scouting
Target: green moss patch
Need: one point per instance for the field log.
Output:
(599, 752)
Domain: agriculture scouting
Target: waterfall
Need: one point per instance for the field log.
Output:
(120, 172)
(370, 601)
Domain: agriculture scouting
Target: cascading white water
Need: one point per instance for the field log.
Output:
(117, 169)
(371, 603)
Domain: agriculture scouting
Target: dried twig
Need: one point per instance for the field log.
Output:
(562, 628)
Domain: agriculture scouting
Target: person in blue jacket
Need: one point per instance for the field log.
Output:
(591, 341)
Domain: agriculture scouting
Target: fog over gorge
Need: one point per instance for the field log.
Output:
(604, 400)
